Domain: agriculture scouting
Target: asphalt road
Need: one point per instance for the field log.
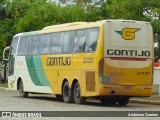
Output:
(10, 101)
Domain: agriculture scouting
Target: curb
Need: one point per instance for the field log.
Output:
(2, 88)
(151, 102)
(6, 89)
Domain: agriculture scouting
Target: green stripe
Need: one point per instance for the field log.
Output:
(36, 72)
(40, 71)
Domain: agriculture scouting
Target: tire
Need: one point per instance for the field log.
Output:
(59, 97)
(77, 95)
(22, 93)
(108, 101)
(67, 93)
(123, 100)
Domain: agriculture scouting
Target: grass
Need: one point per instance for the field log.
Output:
(4, 84)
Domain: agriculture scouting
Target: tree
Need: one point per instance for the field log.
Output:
(46, 14)
(38, 16)
(28, 15)
(2, 10)
(70, 14)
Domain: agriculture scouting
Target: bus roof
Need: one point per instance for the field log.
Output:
(65, 25)
(121, 20)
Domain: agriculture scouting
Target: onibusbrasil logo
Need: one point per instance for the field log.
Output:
(128, 33)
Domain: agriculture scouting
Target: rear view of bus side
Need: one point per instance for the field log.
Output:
(110, 60)
(127, 61)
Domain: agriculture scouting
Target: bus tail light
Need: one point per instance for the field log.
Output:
(101, 66)
(103, 79)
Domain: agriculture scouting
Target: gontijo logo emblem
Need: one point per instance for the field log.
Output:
(128, 33)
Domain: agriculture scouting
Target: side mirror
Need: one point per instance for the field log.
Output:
(5, 55)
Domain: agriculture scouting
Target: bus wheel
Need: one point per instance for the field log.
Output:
(123, 100)
(59, 97)
(108, 101)
(21, 90)
(67, 93)
(77, 95)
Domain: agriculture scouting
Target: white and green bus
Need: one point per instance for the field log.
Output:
(110, 60)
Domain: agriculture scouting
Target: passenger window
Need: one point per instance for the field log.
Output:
(56, 43)
(14, 45)
(44, 43)
(33, 45)
(68, 42)
(23, 43)
(79, 41)
(92, 37)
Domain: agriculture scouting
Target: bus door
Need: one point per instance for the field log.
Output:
(128, 53)
(11, 63)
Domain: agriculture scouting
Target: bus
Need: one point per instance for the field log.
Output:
(109, 60)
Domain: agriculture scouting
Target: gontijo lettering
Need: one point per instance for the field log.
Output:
(58, 61)
(128, 52)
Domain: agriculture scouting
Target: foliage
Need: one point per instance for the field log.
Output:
(37, 17)
(28, 15)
